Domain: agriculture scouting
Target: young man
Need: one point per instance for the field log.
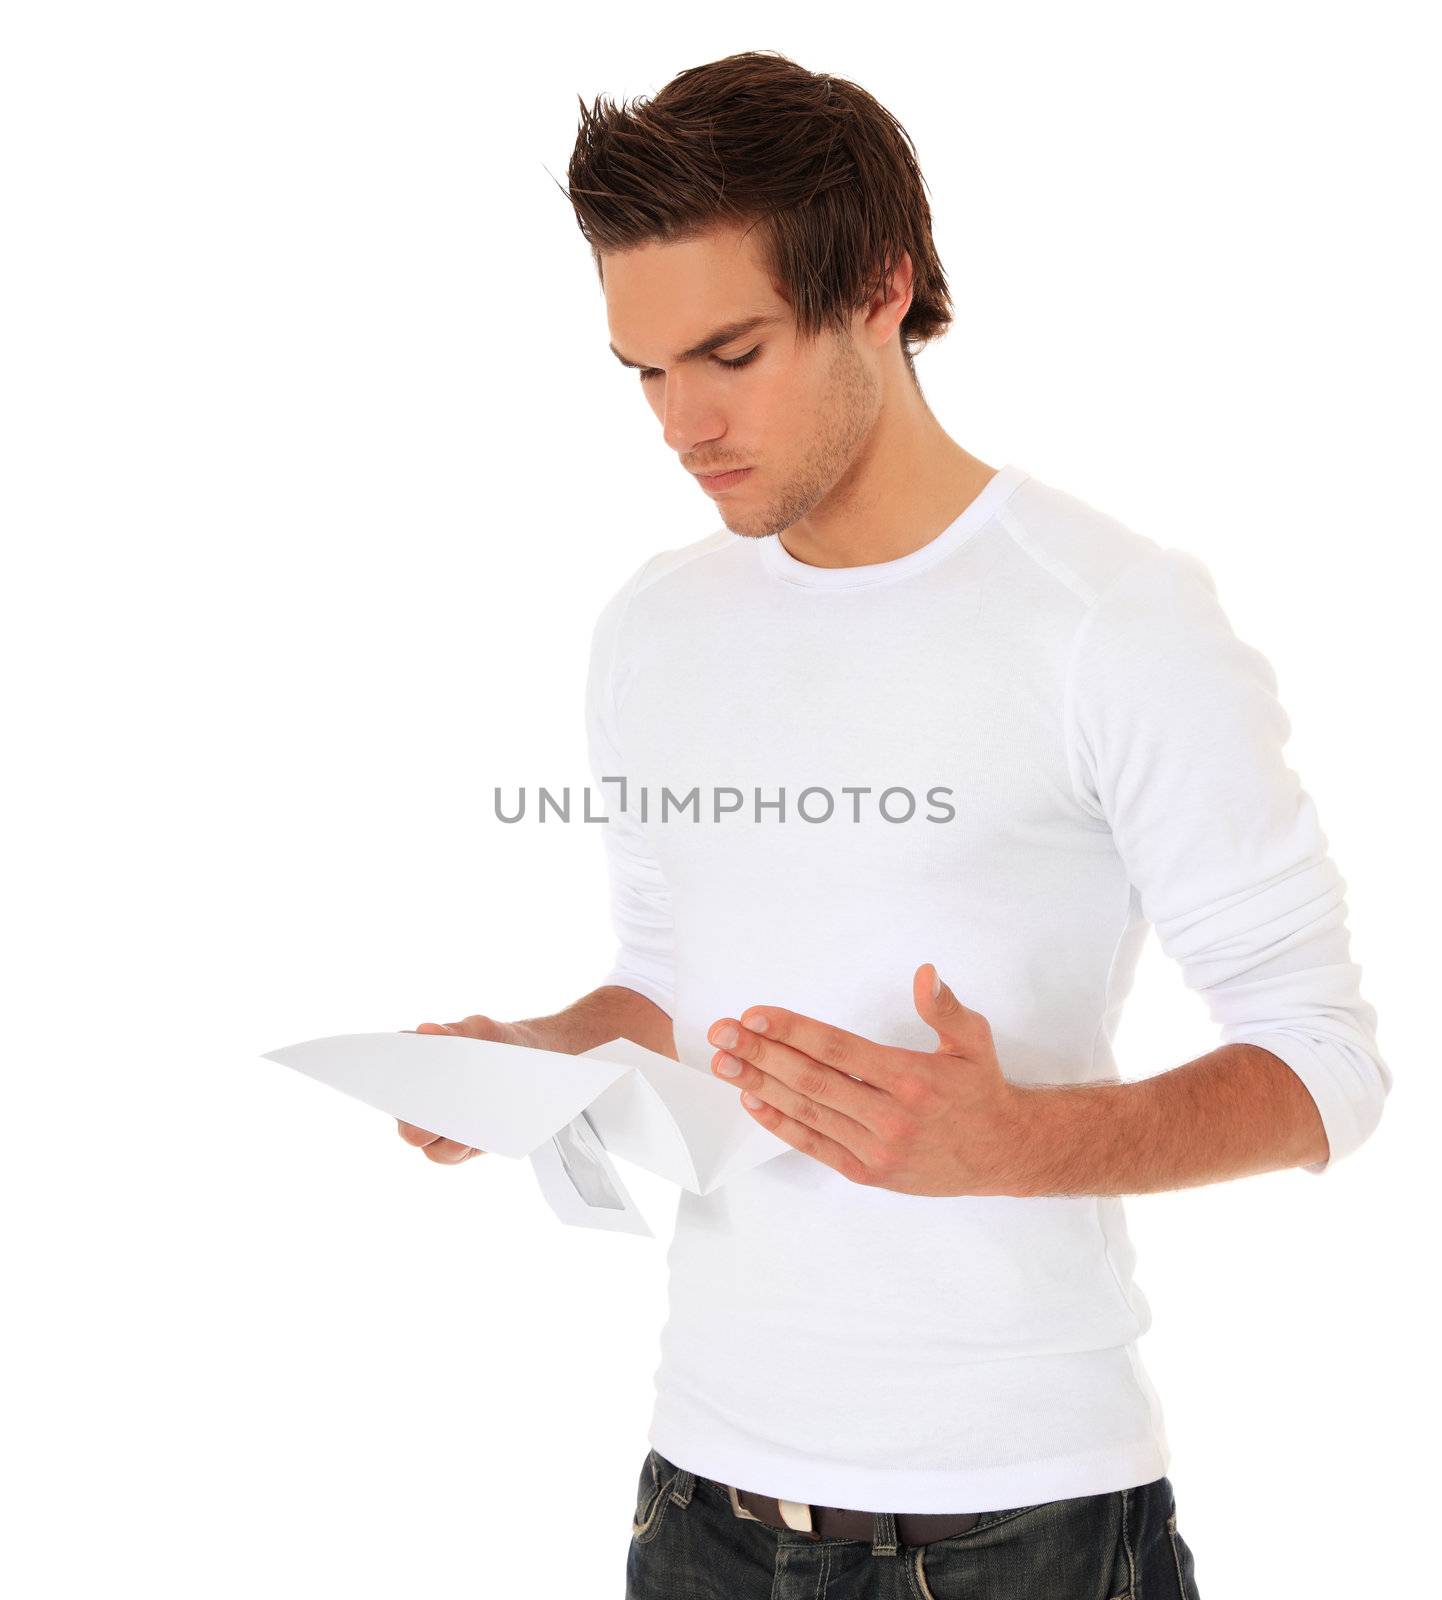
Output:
(915, 750)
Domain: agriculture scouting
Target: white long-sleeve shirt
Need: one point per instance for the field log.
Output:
(1089, 750)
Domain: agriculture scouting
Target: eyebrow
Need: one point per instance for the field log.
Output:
(712, 341)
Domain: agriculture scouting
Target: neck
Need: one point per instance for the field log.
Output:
(909, 482)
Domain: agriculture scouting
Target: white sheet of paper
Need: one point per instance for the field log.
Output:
(569, 1113)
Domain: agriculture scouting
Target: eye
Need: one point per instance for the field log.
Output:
(739, 361)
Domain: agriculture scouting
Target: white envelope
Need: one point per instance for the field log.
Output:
(568, 1113)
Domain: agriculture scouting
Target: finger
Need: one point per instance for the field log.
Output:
(435, 1027)
(800, 1108)
(809, 1141)
(960, 1030)
(809, 1078)
(849, 1053)
(414, 1135)
(448, 1152)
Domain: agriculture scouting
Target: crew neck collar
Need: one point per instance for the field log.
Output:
(996, 490)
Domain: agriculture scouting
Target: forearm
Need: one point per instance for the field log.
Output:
(1236, 1111)
(607, 1013)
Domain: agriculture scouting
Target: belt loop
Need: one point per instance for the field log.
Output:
(684, 1484)
(883, 1533)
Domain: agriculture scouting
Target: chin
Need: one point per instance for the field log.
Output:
(748, 525)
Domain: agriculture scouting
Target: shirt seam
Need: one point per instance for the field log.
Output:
(1054, 568)
(1085, 625)
(632, 589)
(1091, 598)
(1099, 1201)
(634, 586)
(879, 580)
(778, 571)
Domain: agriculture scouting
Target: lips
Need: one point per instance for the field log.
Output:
(716, 481)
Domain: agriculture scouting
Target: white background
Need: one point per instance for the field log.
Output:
(317, 472)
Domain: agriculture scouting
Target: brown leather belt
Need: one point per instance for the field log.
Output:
(836, 1522)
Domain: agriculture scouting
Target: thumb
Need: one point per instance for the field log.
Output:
(955, 1025)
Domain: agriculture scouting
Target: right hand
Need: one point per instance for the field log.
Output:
(450, 1152)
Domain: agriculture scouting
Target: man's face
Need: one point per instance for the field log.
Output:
(798, 413)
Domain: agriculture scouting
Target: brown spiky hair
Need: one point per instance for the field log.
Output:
(826, 172)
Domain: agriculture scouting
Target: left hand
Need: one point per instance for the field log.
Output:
(944, 1122)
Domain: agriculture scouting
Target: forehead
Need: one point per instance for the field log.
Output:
(662, 296)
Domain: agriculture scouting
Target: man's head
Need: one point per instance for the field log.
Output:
(750, 191)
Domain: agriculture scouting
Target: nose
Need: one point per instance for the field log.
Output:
(689, 419)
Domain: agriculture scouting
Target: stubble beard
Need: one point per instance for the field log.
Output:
(846, 418)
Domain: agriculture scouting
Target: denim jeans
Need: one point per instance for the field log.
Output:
(687, 1544)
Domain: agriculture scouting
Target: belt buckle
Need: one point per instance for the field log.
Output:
(796, 1514)
(738, 1508)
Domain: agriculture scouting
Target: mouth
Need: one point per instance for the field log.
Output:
(715, 482)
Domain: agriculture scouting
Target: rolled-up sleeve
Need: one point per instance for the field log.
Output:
(1176, 736)
(640, 897)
